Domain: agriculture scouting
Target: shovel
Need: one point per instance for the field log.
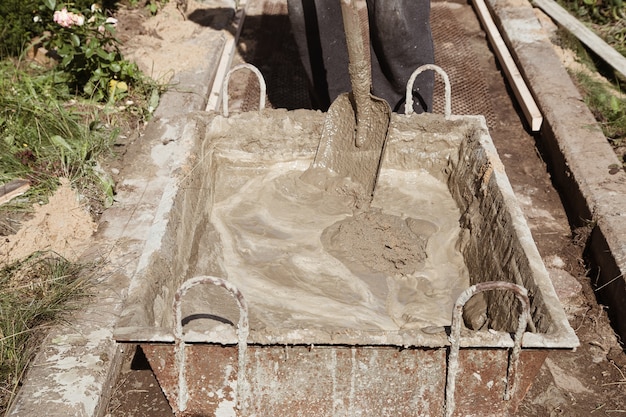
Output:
(356, 125)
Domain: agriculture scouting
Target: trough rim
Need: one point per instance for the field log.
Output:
(561, 334)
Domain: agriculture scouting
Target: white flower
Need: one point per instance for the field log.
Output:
(68, 19)
(78, 19)
(62, 17)
(110, 21)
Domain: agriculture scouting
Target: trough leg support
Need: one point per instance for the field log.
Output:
(242, 333)
(455, 335)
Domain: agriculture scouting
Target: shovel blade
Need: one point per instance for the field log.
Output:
(352, 147)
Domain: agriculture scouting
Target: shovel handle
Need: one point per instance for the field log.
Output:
(359, 66)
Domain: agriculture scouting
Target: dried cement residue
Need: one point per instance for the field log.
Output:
(63, 226)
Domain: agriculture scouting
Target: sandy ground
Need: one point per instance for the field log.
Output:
(155, 43)
(63, 225)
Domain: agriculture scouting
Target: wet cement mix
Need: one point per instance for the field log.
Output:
(589, 381)
(380, 241)
(291, 247)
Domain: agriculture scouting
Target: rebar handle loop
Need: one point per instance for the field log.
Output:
(455, 335)
(408, 103)
(262, 86)
(243, 329)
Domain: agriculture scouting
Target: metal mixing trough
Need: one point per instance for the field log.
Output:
(214, 354)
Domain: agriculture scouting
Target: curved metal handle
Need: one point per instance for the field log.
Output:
(243, 329)
(408, 103)
(262, 86)
(455, 335)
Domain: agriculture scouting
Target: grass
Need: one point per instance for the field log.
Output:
(607, 104)
(42, 138)
(48, 132)
(34, 293)
(602, 91)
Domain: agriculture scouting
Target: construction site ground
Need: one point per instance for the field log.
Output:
(588, 381)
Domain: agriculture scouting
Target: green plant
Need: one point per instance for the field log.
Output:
(154, 6)
(598, 11)
(42, 138)
(606, 17)
(607, 105)
(34, 292)
(89, 60)
(18, 28)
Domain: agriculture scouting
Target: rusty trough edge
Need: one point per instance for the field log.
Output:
(278, 362)
(175, 382)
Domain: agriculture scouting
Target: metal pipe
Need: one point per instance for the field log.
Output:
(408, 103)
(262, 86)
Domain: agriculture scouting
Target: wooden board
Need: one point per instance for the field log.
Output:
(584, 34)
(13, 189)
(517, 82)
(215, 95)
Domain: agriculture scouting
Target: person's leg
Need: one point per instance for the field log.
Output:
(401, 41)
(317, 26)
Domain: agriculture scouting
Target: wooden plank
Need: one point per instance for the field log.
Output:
(584, 34)
(517, 82)
(13, 189)
(215, 96)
